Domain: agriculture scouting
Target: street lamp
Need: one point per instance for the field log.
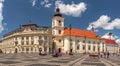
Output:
(85, 46)
(70, 41)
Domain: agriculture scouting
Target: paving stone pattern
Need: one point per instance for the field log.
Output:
(35, 60)
(91, 61)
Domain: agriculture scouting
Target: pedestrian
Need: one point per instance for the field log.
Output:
(108, 54)
(104, 54)
(101, 54)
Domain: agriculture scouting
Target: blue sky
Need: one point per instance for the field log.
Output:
(102, 14)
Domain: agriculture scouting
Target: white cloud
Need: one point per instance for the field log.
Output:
(107, 36)
(74, 10)
(1, 16)
(113, 37)
(34, 2)
(118, 41)
(46, 3)
(104, 23)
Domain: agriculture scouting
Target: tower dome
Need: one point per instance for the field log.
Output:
(57, 13)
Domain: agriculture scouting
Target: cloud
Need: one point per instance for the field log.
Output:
(113, 37)
(107, 36)
(74, 10)
(118, 41)
(104, 23)
(34, 2)
(46, 3)
(1, 16)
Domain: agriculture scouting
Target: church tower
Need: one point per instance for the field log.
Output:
(57, 30)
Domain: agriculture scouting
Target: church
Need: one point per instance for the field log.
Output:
(30, 38)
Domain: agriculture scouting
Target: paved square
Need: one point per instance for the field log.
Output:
(65, 60)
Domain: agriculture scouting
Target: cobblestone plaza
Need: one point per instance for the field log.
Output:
(65, 60)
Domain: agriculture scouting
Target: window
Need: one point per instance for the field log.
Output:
(59, 22)
(59, 31)
(83, 41)
(27, 38)
(89, 42)
(93, 48)
(78, 47)
(78, 41)
(103, 43)
(32, 42)
(22, 38)
(40, 42)
(22, 49)
(40, 37)
(93, 42)
(27, 49)
(27, 42)
(98, 42)
(45, 37)
(16, 43)
(83, 47)
(71, 40)
(32, 37)
(89, 47)
(45, 42)
(22, 42)
(59, 41)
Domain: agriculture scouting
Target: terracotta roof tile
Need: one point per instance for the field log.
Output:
(110, 41)
(78, 32)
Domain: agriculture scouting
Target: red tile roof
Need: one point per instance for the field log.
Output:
(78, 32)
(110, 41)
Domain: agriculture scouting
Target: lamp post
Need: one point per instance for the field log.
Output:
(70, 41)
(85, 46)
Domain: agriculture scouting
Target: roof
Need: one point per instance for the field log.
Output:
(78, 32)
(110, 41)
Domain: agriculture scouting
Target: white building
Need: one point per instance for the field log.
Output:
(78, 40)
(111, 46)
(29, 38)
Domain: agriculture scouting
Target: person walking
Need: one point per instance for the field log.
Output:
(108, 54)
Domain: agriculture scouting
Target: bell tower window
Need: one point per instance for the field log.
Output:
(59, 23)
(59, 31)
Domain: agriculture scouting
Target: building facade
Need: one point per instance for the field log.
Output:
(29, 38)
(82, 41)
(77, 40)
(111, 46)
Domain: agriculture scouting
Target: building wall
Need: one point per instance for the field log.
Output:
(79, 44)
(112, 48)
(27, 42)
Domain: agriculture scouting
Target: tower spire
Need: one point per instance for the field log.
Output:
(92, 29)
